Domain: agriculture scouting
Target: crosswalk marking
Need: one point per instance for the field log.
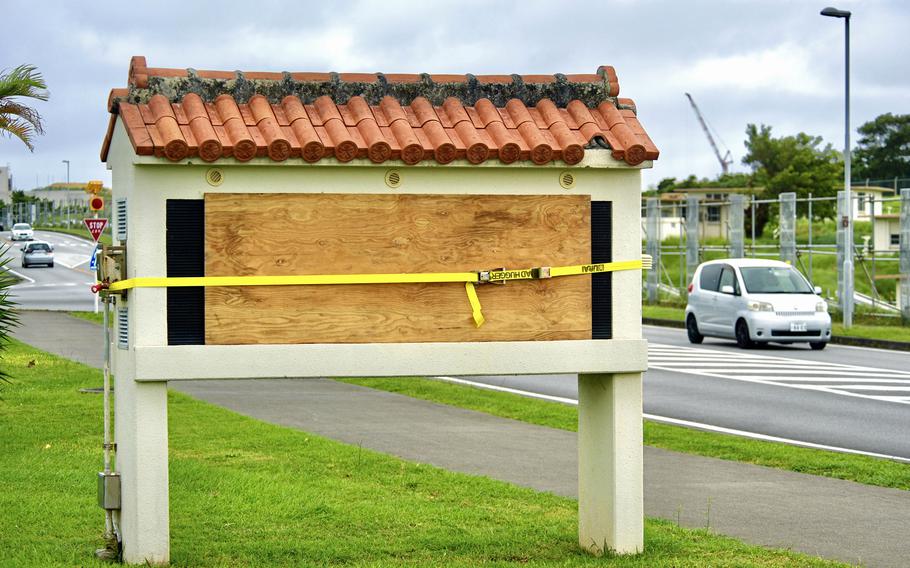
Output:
(847, 380)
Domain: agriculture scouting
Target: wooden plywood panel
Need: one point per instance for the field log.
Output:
(288, 234)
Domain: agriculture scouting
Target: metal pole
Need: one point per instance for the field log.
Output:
(848, 262)
(787, 236)
(810, 240)
(108, 516)
(904, 282)
(653, 246)
(753, 226)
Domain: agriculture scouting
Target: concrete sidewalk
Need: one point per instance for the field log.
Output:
(826, 517)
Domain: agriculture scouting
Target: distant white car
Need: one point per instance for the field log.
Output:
(22, 232)
(755, 301)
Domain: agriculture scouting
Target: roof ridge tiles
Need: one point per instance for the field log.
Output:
(145, 82)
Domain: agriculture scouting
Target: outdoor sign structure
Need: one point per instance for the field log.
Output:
(443, 225)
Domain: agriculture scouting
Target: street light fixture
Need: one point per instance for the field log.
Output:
(67, 162)
(847, 285)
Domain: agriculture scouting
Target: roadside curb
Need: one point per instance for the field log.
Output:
(836, 339)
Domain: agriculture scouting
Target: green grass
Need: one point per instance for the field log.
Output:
(247, 493)
(892, 331)
(89, 316)
(81, 232)
(861, 469)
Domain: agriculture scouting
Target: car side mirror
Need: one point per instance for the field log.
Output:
(51, 247)
(817, 290)
(727, 289)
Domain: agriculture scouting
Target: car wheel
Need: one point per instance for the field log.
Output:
(742, 335)
(692, 330)
(51, 265)
(817, 345)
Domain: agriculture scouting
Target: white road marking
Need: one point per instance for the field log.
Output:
(20, 275)
(835, 378)
(678, 422)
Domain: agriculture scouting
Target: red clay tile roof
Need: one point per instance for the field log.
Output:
(184, 113)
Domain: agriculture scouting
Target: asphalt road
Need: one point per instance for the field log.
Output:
(63, 287)
(843, 397)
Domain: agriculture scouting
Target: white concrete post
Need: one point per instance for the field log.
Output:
(142, 458)
(610, 463)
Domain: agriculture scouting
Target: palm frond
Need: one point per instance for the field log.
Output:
(11, 108)
(23, 81)
(19, 128)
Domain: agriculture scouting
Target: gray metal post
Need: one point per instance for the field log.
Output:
(788, 228)
(844, 250)
(753, 225)
(691, 236)
(652, 227)
(904, 282)
(737, 212)
(810, 240)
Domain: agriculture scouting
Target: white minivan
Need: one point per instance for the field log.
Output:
(755, 301)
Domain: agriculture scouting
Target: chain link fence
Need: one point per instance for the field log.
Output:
(683, 230)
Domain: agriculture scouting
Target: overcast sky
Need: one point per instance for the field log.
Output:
(773, 62)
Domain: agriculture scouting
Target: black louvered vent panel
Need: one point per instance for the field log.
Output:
(602, 284)
(185, 257)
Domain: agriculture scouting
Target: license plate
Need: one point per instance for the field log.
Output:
(797, 327)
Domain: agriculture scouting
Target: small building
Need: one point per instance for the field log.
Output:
(61, 194)
(6, 186)
(886, 231)
(714, 211)
(868, 201)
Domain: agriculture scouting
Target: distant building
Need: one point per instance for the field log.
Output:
(6, 185)
(714, 211)
(63, 193)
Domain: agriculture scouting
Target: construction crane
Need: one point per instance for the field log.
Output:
(724, 160)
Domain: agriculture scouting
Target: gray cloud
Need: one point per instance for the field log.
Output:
(773, 62)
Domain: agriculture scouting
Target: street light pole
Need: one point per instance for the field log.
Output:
(67, 162)
(847, 284)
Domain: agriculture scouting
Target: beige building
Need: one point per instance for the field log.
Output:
(714, 211)
(6, 186)
(886, 231)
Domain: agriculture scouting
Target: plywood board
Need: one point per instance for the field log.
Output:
(289, 234)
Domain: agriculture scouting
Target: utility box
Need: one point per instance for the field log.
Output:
(336, 225)
(108, 490)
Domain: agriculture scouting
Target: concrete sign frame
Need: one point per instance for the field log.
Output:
(609, 370)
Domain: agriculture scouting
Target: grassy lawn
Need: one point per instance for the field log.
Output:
(247, 493)
(81, 232)
(862, 469)
(888, 332)
(91, 316)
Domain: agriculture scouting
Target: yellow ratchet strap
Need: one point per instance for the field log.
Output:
(469, 278)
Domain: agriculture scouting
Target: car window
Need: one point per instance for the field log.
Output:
(20, 226)
(728, 278)
(774, 280)
(710, 275)
(38, 246)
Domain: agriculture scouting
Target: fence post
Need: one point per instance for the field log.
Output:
(653, 247)
(752, 209)
(691, 236)
(844, 286)
(904, 282)
(788, 228)
(737, 212)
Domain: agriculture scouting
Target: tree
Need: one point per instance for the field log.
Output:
(792, 163)
(16, 118)
(883, 150)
